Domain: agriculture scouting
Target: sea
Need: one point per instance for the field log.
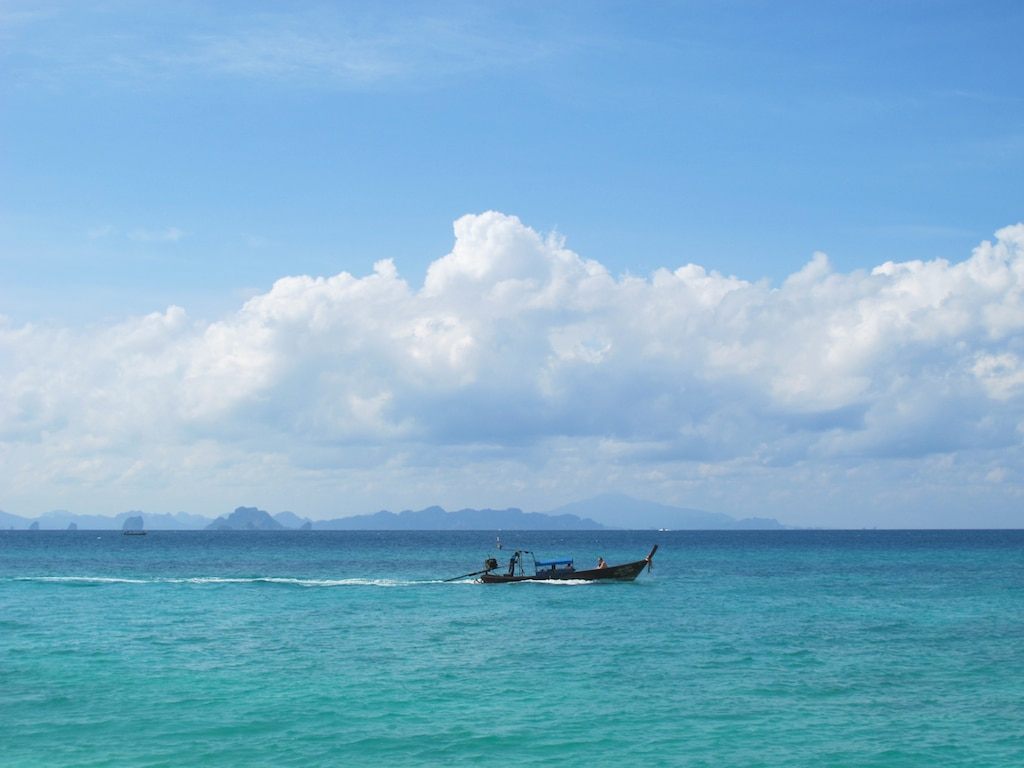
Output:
(349, 648)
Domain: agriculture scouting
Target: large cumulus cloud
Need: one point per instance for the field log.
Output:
(523, 363)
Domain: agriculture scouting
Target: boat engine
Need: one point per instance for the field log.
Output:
(490, 563)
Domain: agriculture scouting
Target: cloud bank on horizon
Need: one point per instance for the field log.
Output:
(522, 373)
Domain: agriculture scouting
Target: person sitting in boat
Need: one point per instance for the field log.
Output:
(601, 563)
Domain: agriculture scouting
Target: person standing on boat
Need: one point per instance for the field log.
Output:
(601, 563)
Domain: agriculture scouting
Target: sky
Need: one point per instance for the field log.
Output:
(749, 257)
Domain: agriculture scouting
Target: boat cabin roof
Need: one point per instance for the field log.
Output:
(554, 562)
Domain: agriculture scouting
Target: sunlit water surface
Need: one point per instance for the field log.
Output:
(347, 648)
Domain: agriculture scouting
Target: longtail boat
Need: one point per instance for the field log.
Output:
(523, 566)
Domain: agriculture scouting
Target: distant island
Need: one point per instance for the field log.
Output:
(617, 510)
(429, 519)
(607, 511)
(436, 518)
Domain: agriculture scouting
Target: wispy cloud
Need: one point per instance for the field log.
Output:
(100, 232)
(165, 235)
(256, 242)
(14, 16)
(323, 47)
(925, 231)
(138, 234)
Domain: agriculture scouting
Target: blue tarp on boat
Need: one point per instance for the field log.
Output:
(549, 563)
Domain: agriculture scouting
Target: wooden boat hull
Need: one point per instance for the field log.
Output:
(624, 572)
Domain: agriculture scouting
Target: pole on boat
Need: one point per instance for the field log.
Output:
(650, 558)
(489, 565)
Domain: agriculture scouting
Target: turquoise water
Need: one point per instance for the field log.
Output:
(739, 649)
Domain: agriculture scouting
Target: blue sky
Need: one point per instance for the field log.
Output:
(190, 155)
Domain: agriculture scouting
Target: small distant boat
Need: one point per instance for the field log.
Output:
(556, 570)
(133, 532)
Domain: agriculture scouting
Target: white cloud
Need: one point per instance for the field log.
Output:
(538, 369)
